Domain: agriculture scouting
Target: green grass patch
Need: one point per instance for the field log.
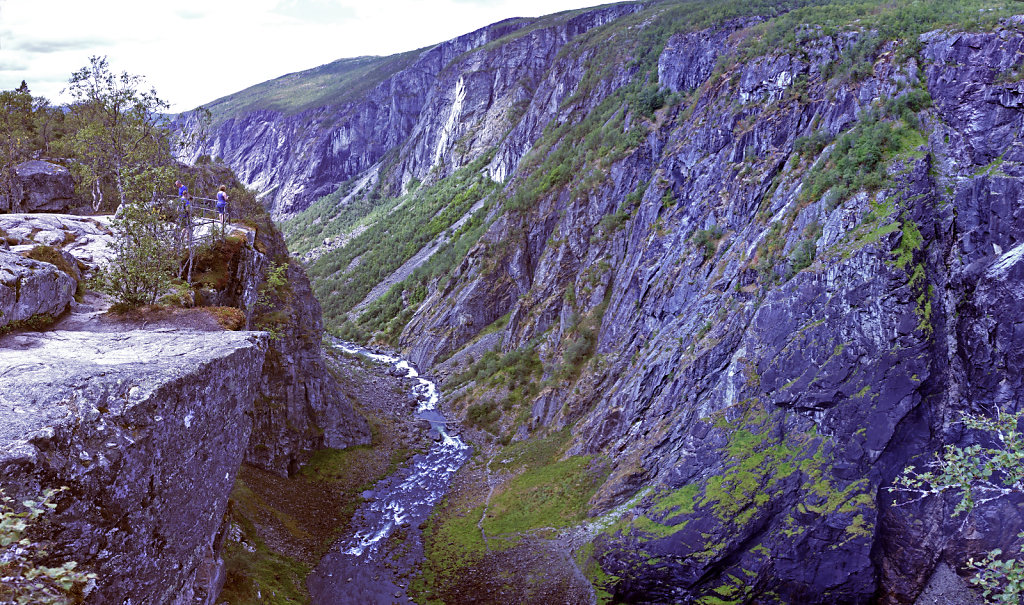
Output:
(334, 83)
(451, 542)
(261, 576)
(553, 495)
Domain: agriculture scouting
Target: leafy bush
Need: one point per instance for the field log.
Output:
(650, 99)
(804, 252)
(812, 145)
(25, 579)
(707, 240)
(144, 263)
(978, 474)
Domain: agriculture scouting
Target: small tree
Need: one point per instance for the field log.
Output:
(16, 133)
(116, 132)
(23, 579)
(144, 263)
(980, 474)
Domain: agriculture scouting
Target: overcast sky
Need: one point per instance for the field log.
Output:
(194, 51)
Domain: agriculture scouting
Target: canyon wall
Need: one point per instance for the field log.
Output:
(760, 279)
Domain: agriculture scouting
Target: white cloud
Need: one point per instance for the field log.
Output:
(194, 51)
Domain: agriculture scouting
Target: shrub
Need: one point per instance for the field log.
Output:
(707, 240)
(143, 265)
(24, 578)
(978, 474)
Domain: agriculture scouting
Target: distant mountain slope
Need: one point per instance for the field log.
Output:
(331, 84)
(296, 142)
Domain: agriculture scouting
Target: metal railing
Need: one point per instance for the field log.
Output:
(190, 224)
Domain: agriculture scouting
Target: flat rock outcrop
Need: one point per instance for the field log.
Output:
(147, 429)
(86, 238)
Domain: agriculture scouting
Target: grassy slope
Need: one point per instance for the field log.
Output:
(331, 84)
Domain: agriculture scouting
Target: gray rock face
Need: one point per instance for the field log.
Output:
(300, 408)
(41, 187)
(689, 58)
(428, 108)
(768, 405)
(147, 429)
(30, 288)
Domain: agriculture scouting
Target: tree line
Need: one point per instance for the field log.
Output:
(113, 135)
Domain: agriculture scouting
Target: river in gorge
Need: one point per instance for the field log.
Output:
(374, 564)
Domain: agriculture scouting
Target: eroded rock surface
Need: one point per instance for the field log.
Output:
(30, 288)
(148, 430)
(300, 407)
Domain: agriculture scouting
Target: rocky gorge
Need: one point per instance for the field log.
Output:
(146, 420)
(697, 280)
(734, 270)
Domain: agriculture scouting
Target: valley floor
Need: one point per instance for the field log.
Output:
(281, 527)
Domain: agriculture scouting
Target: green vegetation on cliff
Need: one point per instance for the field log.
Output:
(24, 567)
(391, 234)
(974, 475)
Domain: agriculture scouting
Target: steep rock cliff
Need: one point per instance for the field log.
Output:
(767, 360)
(148, 428)
(138, 425)
(454, 100)
(299, 406)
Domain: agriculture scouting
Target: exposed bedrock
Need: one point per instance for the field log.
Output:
(32, 289)
(768, 404)
(40, 187)
(299, 406)
(148, 430)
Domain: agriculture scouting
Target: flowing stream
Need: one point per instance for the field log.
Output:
(367, 567)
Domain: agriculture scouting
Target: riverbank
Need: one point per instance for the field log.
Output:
(376, 560)
(282, 527)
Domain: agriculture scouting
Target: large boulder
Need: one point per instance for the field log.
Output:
(147, 429)
(40, 187)
(29, 288)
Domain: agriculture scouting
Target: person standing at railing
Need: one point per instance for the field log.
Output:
(185, 203)
(222, 205)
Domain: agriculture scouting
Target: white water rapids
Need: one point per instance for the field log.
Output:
(361, 568)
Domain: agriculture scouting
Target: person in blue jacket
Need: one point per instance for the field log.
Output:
(222, 205)
(185, 205)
